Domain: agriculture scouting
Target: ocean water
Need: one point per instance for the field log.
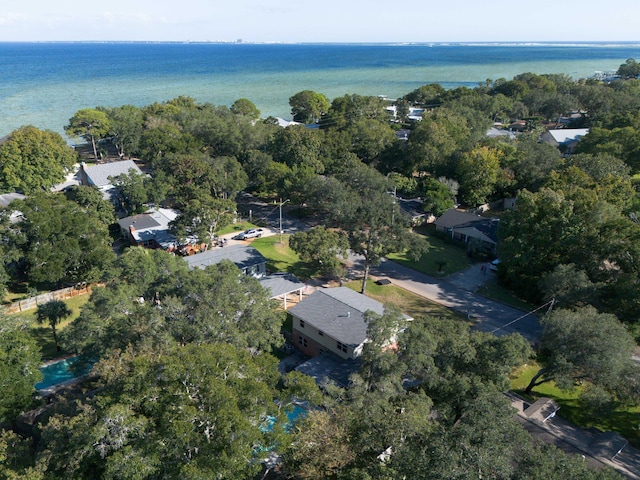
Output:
(44, 84)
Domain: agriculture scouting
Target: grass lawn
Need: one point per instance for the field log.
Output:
(280, 258)
(236, 228)
(493, 290)
(455, 258)
(410, 303)
(625, 421)
(42, 333)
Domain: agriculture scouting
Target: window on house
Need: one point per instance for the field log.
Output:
(301, 323)
(304, 342)
(342, 347)
(321, 333)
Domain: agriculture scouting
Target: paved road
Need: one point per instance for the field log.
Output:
(487, 315)
(269, 213)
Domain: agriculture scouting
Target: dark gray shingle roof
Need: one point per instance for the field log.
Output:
(242, 255)
(280, 284)
(457, 220)
(338, 312)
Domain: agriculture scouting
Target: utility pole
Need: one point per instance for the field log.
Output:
(281, 204)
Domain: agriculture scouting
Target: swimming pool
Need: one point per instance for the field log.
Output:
(60, 372)
(293, 415)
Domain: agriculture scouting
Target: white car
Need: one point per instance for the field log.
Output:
(251, 233)
(493, 266)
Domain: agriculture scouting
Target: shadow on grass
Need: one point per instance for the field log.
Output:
(409, 303)
(44, 337)
(280, 258)
(442, 258)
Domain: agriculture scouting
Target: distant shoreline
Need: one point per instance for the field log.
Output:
(532, 43)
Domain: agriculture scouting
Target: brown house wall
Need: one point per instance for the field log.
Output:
(312, 348)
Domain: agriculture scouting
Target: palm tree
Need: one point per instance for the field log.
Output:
(52, 312)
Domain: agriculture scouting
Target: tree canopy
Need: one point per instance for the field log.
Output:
(90, 124)
(33, 160)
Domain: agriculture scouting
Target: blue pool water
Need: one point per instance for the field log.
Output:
(59, 372)
(293, 416)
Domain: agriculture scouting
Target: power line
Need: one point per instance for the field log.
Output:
(550, 303)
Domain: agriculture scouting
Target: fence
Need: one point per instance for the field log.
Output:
(33, 302)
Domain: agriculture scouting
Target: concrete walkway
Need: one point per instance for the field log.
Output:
(471, 278)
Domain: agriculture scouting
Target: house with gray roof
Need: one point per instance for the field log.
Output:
(150, 229)
(7, 198)
(565, 139)
(284, 286)
(249, 260)
(333, 320)
(465, 226)
(98, 175)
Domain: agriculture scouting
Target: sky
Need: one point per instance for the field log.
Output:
(320, 21)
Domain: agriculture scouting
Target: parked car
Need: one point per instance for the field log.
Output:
(251, 233)
(493, 266)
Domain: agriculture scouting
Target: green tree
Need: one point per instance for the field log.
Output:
(20, 358)
(90, 124)
(91, 197)
(229, 177)
(629, 69)
(162, 137)
(620, 142)
(485, 442)
(427, 95)
(202, 219)
(133, 190)
(370, 137)
(433, 143)
(153, 299)
(321, 247)
(375, 229)
(321, 446)
(194, 412)
(308, 106)
(16, 458)
(349, 109)
(55, 246)
(246, 108)
(126, 124)
(532, 162)
(52, 313)
(569, 287)
(478, 172)
(32, 160)
(298, 146)
(584, 345)
(438, 197)
(455, 365)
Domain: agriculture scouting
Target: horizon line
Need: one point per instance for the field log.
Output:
(389, 43)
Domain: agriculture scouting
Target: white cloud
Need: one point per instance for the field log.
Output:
(332, 20)
(10, 19)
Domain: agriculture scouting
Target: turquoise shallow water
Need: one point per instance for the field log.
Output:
(58, 372)
(44, 84)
